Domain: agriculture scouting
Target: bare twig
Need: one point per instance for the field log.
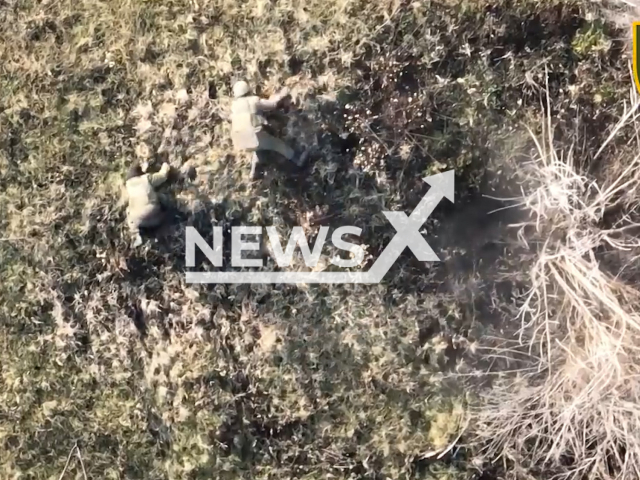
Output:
(68, 460)
(84, 472)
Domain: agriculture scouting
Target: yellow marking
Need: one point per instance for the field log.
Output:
(635, 54)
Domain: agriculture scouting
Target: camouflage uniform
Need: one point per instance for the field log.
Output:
(144, 208)
(247, 125)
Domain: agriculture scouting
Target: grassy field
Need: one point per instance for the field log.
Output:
(112, 367)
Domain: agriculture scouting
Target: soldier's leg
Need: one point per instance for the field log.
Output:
(255, 160)
(134, 229)
(269, 142)
(153, 218)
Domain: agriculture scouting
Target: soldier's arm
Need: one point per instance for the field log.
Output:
(157, 179)
(273, 101)
(267, 105)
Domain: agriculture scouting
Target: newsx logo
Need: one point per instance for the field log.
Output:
(282, 257)
(407, 235)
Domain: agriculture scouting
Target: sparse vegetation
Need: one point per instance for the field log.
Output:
(113, 367)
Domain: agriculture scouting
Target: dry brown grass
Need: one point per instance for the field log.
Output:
(572, 407)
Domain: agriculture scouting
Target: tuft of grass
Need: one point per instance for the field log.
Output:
(569, 406)
(591, 39)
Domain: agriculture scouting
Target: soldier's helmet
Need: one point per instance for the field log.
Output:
(240, 89)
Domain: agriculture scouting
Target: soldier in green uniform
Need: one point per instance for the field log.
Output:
(247, 125)
(144, 209)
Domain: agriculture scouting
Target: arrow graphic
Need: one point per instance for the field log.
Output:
(407, 235)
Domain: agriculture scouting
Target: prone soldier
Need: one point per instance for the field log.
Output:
(144, 209)
(248, 125)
